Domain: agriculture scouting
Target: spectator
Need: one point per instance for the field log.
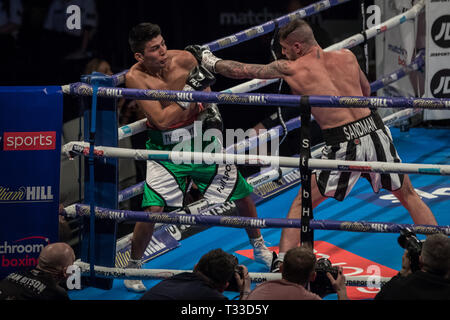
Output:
(431, 282)
(43, 282)
(10, 22)
(10, 17)
(98, 65)
(65, 44)
(297, 269)
(76, 39)
(72, 109)
(210, 278)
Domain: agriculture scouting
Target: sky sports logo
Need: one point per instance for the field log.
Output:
(23, 141)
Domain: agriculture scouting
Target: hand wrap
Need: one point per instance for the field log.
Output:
(204, 56)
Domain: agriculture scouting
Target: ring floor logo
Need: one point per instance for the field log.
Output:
(440, 31)
(22, 252)
(440, 84)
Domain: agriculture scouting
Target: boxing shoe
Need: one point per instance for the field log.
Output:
(276, 262)
(134, 285)
(261, 253)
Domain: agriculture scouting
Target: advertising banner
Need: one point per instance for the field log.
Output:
(30, 149)
(396, 49)
(437, 55)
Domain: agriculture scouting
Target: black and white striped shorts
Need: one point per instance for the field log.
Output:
(366, 139)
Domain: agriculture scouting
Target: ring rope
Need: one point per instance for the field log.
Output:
(354, 40)
(416, 64)
(269, 26)
(260, 99)
(253, 32)
(346, 43)
(82, 210)
(255, 277)
(91, 149)
(82, 148)
(247, 144)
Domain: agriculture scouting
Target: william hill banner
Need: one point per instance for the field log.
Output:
(30, 149)
(437, 53)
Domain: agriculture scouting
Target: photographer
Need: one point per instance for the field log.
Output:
(46, 281)
(211, 276)
(297, 270)
(431, 280)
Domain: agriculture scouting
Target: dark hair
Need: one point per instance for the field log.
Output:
(218, 266)
(436, 254)
(142, 33)
(300, 29)
(298, 264)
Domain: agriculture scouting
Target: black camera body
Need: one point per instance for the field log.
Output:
(322, 285)
(408, 241)
(232, 284)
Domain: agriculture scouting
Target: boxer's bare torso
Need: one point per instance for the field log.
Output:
(315, 73)
(162, 69)
(328, 73)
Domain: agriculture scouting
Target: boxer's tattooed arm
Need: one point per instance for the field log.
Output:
(238, 70)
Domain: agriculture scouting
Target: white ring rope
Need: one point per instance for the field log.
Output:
(255, 277)
(348, 43)
(82, 148)
(136, 127)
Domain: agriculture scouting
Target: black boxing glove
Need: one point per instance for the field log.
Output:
(204, 56)
(198, 79)
(196, 51)
(210, 117)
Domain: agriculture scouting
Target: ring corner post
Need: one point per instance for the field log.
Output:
(98, 242)
(306, 214)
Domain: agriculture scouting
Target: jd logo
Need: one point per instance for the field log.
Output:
(440, 84)
(440, 31)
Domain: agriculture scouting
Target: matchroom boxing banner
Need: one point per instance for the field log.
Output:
(437, 60)
(395, 48)
(30, 151)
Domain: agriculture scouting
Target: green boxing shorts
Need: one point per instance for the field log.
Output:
(166, 182)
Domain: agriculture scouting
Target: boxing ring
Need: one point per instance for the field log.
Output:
(371, 220)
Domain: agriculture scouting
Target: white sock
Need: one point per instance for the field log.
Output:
(134, 264)
(256, 242)
(281, 256)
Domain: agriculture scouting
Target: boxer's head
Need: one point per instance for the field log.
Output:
(148, 45)
(296, 38)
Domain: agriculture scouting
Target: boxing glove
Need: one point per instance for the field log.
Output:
(204, 57)
(210, 117)
(198, 79)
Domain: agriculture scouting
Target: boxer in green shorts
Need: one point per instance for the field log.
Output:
(166, 182)
(162, 69)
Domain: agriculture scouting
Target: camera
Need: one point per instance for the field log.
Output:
(232, 284)
(322, 285)
(408, 241)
